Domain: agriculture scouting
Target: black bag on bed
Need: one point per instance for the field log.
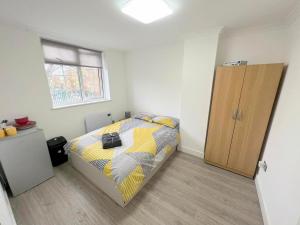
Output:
(111, 140)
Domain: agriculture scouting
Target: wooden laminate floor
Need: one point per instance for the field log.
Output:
(186, 191)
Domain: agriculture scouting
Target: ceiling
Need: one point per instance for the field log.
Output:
(100, 23)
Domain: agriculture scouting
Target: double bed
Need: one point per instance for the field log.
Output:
(122, 171)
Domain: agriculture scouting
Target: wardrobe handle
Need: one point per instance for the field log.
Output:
(239, 115)
(234, 114)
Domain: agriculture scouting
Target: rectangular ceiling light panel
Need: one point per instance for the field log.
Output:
(147, 11)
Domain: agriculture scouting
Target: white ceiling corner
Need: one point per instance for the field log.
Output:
(101, 24)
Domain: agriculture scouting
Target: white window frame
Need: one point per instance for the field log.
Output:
(103, 78)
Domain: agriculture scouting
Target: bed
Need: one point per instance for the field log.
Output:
(122, 171)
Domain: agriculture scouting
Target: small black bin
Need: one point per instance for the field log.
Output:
(56, 150)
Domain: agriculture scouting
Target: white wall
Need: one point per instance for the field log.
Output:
(257, 45)
(280, 185)
(24, 87)
(197, 77)
(176, 80)
(154, 79)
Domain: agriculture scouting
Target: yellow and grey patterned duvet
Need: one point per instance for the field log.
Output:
(144, 145)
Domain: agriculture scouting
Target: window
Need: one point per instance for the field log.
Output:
(75, 75)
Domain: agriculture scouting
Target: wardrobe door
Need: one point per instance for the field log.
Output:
(257, 98)
(225, 100)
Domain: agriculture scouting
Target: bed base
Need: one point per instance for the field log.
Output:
(102, 182)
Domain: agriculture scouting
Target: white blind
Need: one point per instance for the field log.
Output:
(59, 53)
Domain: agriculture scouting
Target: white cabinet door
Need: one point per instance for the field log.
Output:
(25, 160)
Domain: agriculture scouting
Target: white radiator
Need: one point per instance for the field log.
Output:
(95, 121)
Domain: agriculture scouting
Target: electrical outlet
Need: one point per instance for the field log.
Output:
(263, 165)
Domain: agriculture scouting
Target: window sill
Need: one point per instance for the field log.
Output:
(80, 104)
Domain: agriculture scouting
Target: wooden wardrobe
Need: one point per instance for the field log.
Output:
(241, 106)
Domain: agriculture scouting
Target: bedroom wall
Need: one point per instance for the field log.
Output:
(25, 91)
(257, 45)
(279, 186)
(197, 77)
(154, 79)
(176, 80)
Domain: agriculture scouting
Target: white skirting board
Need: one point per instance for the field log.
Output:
(261, 202)
(195, 152)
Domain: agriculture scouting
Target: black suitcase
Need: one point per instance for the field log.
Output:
(56, 150)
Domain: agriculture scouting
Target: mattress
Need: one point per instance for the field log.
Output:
(144, 146)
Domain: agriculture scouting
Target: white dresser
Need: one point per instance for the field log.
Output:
(25, 160)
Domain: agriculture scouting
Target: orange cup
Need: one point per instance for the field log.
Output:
(11, 131)
(2, 133)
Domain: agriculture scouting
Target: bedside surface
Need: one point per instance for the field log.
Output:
(21, 133)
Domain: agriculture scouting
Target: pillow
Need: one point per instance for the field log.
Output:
(145, 116)
(166, 121)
